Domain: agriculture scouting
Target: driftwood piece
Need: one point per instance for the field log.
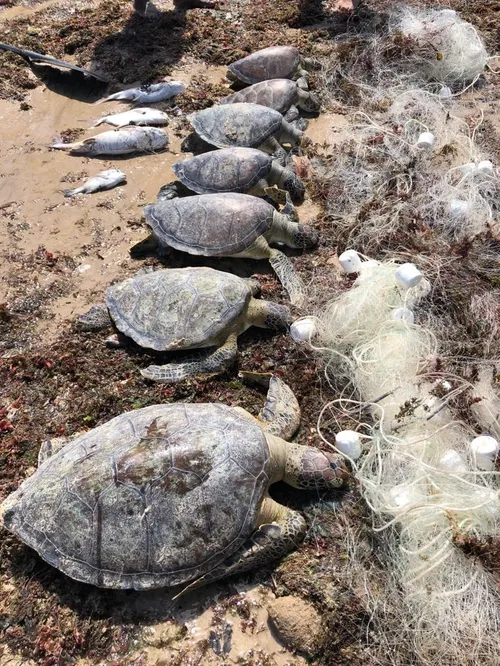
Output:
(32, 56)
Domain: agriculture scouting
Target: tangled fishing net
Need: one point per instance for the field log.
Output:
(417, 471)
(432, 49)
(445, 48)
(410, 181)
(413, 169)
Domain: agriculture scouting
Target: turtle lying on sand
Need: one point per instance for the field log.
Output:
(247, 126)
(281, 95)
(171, 494)
(275, 62)
(230, 225)
(243, 170)
(185, 308)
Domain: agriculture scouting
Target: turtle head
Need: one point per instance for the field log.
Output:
(310, 468)
(254, 284)
(231, 76)
(278, 317)
(304, 235)
(309, 102)
(311, 65)
(305, 142)
(293, 185)
(267, 314)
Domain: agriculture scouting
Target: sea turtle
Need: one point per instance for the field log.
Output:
(275, 62)
(248, 126)
(185, 308)
(230, 225)
(244, 170)
(172, 494)
(281, 95)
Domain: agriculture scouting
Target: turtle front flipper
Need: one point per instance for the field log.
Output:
(290, 134)
(272, 147)
(281, 264)
(276, 195)
(279, 531)
(281, 414)
(200, 364)
(288, 276)
(289, 210)
(292, 114)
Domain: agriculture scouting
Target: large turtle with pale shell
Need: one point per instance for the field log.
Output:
(185, 308)
(282, 95)
(173, 494)
(230, 225)
(274, 62)
(243, 170)
(247, 126)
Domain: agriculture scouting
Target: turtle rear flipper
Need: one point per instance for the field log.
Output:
(279, 531)
(200, 364)
(173, 190)
(281, 413)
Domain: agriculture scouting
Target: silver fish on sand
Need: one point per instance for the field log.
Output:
(156, 92)
(139, 116)
(105, 180)
(118, 142)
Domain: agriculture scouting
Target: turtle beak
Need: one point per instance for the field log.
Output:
(341, 472)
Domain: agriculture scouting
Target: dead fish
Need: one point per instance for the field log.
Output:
(157, 92)
(103, 181)
(118, 142)
(142, 116)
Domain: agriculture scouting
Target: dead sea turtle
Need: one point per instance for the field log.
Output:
(231, 225)
(275, 62)
(186, 308)
(171, 494)
(248, 126)
(281, 95)
(244, 170)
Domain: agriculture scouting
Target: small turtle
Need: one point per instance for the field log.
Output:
(244, 170)
(231, 225)
(275, 62)
(174, 494)
(281, 95)
(247, 126)
(185, 308)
